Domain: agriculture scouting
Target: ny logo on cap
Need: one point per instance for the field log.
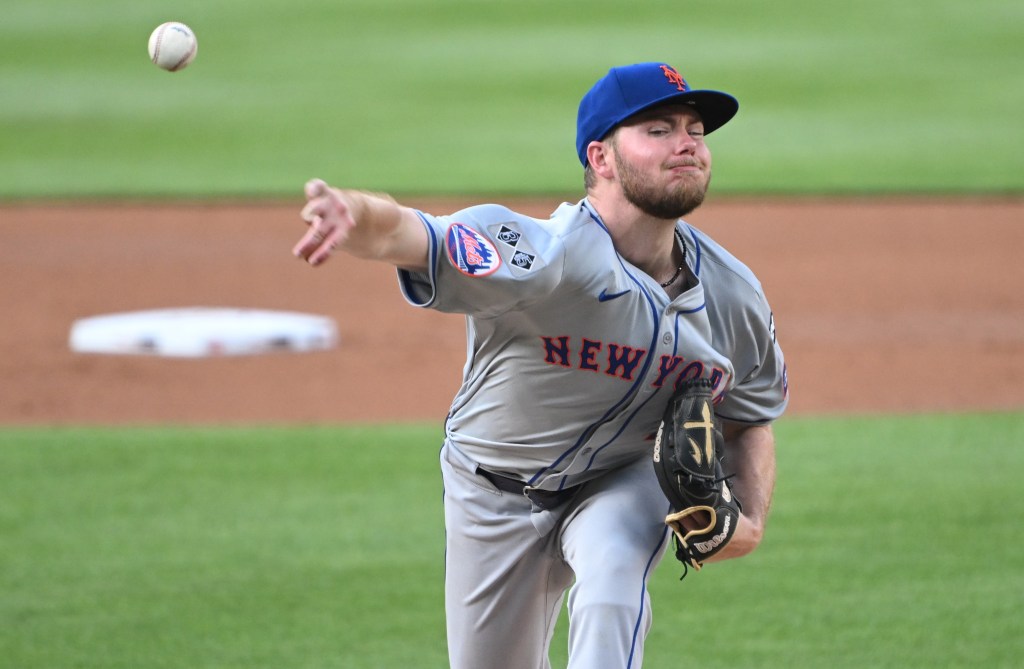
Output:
(674, 77)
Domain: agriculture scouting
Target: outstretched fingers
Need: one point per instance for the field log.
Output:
(315, 247)
(329, 221)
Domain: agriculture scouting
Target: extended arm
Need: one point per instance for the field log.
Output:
(361, 224)
(750, 455)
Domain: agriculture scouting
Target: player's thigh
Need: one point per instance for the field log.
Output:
(617, 531)
(504, 581)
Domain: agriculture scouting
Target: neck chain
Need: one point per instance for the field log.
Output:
(682, 263)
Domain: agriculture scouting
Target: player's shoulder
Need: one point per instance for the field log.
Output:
(716, 265)
(564, 219)
(509, 228)
(488, 212)
(532, 249)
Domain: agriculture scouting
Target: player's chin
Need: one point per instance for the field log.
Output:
(689, 190)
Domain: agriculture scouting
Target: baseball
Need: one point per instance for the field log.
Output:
(172, 46)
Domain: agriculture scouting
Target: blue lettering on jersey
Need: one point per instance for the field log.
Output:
(623, 361)
(470, 252)
(588, 355)
(684, 371)
(556, 351)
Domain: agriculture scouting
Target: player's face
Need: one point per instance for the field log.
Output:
(663, 165)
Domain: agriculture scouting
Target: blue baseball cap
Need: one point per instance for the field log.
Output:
(629, 89)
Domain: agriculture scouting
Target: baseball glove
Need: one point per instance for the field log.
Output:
(687, 459)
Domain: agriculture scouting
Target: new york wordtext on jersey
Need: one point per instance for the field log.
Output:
(622, 361)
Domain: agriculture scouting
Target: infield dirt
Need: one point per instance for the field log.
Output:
(881, 306)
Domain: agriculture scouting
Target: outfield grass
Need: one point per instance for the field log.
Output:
(477, 96)
(893, 543)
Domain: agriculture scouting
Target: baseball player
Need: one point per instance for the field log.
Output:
(579, 329)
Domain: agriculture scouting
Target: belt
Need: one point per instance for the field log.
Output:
(544, 499)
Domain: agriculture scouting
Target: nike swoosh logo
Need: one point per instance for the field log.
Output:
(605, 295)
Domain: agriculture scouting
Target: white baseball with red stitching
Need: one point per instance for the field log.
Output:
(172, 46)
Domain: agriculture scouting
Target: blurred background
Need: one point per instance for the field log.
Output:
(477, 96)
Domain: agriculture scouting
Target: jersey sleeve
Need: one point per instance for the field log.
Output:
(761, 390)
(485, 261)
(743, 328)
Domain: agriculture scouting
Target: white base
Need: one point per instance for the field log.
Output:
(199, 332)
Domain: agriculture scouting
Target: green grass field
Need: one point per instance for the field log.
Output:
(479, 96)
(893, 543)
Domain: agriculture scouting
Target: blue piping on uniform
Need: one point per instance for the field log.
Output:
(404, 275)
(696, 252)
(697, 258)
(675, 351)
(615, 436)
(633, 389)
(643, 589)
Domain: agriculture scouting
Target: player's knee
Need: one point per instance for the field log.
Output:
(616, 582)
(609, 617)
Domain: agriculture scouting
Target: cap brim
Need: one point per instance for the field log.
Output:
(715, 107)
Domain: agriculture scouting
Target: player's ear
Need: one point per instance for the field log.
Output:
(600, 158)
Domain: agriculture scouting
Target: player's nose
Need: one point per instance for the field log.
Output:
(685, 142)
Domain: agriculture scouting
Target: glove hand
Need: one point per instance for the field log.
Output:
(687, 459)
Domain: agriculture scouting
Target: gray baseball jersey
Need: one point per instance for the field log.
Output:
(573, 352)
(572, 355)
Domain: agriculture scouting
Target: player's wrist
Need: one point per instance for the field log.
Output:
(747, 537)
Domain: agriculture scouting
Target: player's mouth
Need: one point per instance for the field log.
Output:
(685, 167)
(686, 172)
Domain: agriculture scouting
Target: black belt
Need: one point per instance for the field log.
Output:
(544, 499)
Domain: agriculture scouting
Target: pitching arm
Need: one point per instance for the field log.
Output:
(750, 456)
(364, 225)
